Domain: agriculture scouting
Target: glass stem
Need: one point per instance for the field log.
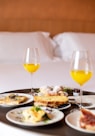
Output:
(81, 93)
(31, 82)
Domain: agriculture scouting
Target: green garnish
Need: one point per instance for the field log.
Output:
(36, 108)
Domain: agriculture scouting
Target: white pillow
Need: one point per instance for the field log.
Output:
(13, 45)
(69, 41)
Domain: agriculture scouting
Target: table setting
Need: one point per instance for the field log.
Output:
(64, 121)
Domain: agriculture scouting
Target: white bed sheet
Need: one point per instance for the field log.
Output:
(13, 131)
(51, 73)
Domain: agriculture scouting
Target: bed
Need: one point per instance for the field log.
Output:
(55, 57)
(22, 26)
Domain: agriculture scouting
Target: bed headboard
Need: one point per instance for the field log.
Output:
(54, 16)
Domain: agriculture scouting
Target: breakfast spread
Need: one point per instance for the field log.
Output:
(46, 98)
(87, 120)
(13, 99)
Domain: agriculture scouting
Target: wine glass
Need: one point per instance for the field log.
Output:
(81, 69)
(32, 61)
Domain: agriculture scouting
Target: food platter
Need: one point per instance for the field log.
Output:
(15, 116)
(72, 120)
(28, 100)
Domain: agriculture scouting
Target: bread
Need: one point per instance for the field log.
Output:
(87, 120)
(52, 101)
(13, 99)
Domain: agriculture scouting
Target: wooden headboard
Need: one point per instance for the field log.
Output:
(54, 16)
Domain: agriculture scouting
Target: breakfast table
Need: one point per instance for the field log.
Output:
(57, 129)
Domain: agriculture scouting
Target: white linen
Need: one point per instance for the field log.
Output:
(67, 42)
(13, 131)
(51, 73)
(14, 44)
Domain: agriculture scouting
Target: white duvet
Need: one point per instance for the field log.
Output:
(51, 73)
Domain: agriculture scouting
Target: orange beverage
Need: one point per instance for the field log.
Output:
(80, 76)
(31, 67)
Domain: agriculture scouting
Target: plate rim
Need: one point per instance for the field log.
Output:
(31, 124)
(15, 105)
(66, 107)
(76, 127)
(87, 107)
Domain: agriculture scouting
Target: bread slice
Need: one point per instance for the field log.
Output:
(87, 120)
(52, 101)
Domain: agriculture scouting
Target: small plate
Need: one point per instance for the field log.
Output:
(64, 106)
(30, 99)
(15, 116)
(72, 120)
(90, 99)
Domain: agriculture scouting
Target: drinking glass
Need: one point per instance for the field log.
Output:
(31, 62)
(81, 69)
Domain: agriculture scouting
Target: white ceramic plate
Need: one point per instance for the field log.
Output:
(85, 99)
(15, 116)
(64, 106)
(30, 99)
(72, 120)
